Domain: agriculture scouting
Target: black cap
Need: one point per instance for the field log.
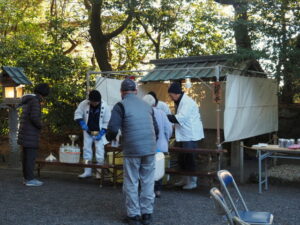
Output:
(128, 85)
(42, 89)
(95, 96)
(175, 88)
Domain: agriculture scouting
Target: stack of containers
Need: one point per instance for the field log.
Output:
(69, 153)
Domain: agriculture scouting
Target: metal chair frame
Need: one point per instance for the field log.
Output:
(221, 205)
(226, 179)
(238, 221)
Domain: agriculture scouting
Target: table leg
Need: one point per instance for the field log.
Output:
(259, 171)
(39, 170)
(115, 176)
(266, 173)
(102, 177)
(242, 163)
(219, 161)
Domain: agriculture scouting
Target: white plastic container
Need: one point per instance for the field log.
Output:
(159, 166)
(69, 154)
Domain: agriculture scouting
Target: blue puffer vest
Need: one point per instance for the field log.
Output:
(138, 134)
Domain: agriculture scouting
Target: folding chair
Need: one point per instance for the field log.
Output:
(238, 221)
(251, 217)
(221, 205)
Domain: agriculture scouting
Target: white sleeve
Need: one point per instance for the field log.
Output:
(79, 112)
(106, 116)
(168, 128)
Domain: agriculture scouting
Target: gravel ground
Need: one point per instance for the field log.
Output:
(66, 200)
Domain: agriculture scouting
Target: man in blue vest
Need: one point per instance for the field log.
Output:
(139, 131)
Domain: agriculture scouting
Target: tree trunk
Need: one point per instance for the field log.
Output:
(98, 40)
(288, 91)
(240, 27)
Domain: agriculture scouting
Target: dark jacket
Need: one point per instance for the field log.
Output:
(139, 129)
(30, 122)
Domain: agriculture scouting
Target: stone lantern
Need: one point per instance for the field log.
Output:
(12, 80)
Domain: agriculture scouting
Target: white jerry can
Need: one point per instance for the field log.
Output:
(159, 166)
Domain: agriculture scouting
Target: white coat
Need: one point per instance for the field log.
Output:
(164, 107)
(83, 110)
(190, 126)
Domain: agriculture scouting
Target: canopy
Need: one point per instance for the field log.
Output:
(17, 75)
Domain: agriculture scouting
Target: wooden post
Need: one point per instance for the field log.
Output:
(235, 158)
(14, 154)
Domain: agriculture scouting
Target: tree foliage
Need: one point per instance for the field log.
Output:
(43, 60)
(57, 41)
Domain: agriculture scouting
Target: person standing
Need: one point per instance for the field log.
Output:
(139, 130)
(160, 104)
(188, 131)
(93, 115)
(29, 131)
(165, 132)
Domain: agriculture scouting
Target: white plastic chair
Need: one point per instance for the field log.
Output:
(251, 217)
(221, 205)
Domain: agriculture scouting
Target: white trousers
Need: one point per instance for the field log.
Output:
(88, 148)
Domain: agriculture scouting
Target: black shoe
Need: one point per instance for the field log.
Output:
(135, 220)
(157, 194)
(146, 219)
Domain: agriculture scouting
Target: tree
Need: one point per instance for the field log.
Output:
(101, 15)
(159, 20)
(199, 34)
(240, 25)
(279, 25)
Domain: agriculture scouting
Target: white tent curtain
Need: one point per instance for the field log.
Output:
(251, 107)
(109, 89)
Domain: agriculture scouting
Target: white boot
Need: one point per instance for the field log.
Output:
(98, 174)
(181, 182)
(87, 173)
(192, 183)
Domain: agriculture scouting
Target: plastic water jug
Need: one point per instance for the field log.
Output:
(159, 166)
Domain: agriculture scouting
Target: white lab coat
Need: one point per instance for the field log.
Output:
(164, 107)
(82, 112)
(190, 126)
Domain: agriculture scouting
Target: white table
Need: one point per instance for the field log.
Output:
(271, 151)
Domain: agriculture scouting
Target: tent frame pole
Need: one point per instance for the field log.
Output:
(218, 110)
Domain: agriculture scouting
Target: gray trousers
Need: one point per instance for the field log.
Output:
(139, 169)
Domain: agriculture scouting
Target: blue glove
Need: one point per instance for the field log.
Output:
(83, 125)
(101, 133)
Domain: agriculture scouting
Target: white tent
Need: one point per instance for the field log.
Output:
(248, 105)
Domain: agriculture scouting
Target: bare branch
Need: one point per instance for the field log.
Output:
(146, 31)
(74, 44)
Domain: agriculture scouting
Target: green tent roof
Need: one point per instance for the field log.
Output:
(16, 73)
(194, 67)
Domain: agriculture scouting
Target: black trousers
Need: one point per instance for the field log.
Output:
(187, 161)
(158, 185)
(28, 162)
